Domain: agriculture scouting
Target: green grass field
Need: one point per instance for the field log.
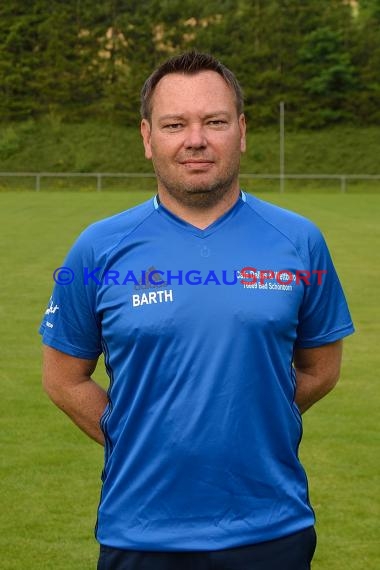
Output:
(50, 472)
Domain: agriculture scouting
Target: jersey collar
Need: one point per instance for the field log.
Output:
(158, 206)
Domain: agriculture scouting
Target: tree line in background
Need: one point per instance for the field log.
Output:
(82, 59)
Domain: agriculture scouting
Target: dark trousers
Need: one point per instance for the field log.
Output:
(293, 552)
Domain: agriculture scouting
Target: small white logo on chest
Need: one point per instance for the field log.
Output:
(152, 298)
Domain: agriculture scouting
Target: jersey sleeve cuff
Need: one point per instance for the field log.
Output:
(327, 338)
(70, 349)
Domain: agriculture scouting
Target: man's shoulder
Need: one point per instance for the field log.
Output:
(108, 231)
(99, 239)
(123, 221)
(291, 224)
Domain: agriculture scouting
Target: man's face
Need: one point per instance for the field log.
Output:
(195, 138)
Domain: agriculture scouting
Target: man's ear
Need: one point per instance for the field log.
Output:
(243, 128)
(145, 130)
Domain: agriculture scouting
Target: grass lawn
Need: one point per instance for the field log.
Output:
(50, 472)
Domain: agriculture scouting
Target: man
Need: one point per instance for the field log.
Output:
(220, 318)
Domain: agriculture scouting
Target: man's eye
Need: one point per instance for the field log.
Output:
(217, 123)
(173, 126)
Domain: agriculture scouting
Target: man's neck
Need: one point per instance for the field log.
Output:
(200, 217)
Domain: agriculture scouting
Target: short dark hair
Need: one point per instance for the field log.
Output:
(188, 63)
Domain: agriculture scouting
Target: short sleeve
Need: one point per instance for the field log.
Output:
(324, 316)
(70, 323)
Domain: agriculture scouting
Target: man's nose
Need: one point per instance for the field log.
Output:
(195, 137)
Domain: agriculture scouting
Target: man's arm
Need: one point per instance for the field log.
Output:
(317, 372)
(67, 381)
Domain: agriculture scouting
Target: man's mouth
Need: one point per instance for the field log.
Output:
(196, 163)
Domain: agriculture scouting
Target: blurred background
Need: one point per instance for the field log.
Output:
(70, 153)
(71, 74)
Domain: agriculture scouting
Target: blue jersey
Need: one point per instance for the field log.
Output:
(198, 329)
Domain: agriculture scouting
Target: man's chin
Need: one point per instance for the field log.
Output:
(200, 193)
(202, 197)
